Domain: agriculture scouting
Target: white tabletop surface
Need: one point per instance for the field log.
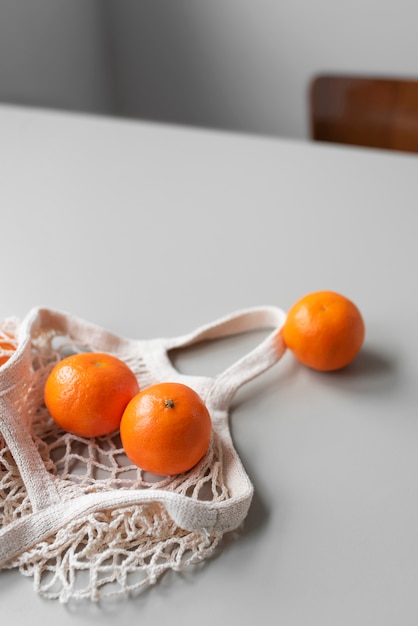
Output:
(152, 230)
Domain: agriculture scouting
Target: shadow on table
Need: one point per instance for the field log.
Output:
(370, 371)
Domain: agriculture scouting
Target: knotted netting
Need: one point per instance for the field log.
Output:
(75, 514)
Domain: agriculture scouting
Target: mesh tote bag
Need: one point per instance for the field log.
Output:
(75, 514)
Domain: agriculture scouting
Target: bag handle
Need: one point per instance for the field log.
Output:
(189, 514)
(255, 362)
(268, 352)
(79, 329)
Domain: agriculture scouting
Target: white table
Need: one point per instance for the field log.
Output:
(153, 230)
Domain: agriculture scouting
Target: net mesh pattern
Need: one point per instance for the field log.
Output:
(111, 551)
(75, 514)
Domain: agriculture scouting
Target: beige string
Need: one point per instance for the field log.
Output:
(74, 513)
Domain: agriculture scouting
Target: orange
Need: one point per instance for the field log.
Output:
(324, 330)
(166, 429)
(5, 345)
(87, 393)
(8, 343)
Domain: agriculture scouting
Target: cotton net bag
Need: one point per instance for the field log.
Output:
(75, 514)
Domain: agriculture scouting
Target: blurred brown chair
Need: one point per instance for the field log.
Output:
(373, 112)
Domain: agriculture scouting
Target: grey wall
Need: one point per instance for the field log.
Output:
(229, 64)
(53, 53)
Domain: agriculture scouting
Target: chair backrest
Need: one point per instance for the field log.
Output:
(374, 112)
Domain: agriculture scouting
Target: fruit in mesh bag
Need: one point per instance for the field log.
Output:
(87, 393)
(7, 345)
(324, 330)
(166, 429)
